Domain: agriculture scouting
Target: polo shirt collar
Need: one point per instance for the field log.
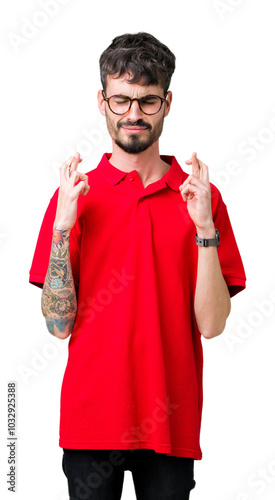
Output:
(172, 178)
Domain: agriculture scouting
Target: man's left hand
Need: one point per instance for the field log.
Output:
(196, 191)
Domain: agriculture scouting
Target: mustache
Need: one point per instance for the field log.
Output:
(138, 123)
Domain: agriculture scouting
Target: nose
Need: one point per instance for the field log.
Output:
(134, 113)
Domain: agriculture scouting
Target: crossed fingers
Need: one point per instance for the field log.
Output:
(199, 169)
(199, 179)
(70, 165)
(69, 174)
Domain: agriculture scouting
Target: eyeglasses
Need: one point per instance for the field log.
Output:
(148, 104)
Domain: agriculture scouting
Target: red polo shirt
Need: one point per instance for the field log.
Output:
(134, 373)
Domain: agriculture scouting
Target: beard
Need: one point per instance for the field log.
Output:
(133, 144)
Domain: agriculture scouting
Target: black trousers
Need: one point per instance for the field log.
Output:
(99, 474)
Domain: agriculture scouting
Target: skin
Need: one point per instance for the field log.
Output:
(58, 300)
(148, 163)
(212, 301)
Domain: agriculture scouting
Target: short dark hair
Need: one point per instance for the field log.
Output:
(149, 61)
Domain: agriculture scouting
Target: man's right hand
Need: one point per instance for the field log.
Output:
(69, 192)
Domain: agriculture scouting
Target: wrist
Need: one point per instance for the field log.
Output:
(61, 227)
(206, 231)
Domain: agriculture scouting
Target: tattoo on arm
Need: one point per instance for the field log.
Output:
(59, 304)
(58, 267)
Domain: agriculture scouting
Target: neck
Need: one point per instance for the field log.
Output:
(148, 164)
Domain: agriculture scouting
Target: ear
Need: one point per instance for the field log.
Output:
(168, 103)
(101, 103)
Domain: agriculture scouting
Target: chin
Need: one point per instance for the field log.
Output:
(133, 146)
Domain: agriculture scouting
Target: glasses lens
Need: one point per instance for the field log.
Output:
(119, 104)
(150, 104)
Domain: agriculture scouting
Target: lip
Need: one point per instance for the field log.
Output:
(134, 130)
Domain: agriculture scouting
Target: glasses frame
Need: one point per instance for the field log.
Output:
(163, 99)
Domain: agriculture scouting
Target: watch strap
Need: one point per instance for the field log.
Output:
(208, 242)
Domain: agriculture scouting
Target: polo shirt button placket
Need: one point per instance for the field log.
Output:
(142, 208)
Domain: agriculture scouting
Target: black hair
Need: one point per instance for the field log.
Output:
(142, 56)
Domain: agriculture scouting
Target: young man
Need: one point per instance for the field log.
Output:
(135, 269)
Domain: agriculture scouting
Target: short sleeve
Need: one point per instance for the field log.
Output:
(229, 255)
(41, 257)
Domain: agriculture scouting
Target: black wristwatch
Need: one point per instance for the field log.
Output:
(208, 242)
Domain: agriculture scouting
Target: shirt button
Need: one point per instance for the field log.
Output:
(131, 178)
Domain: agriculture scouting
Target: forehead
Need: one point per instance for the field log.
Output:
(122, 86)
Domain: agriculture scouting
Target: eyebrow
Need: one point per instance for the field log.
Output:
(141, 97)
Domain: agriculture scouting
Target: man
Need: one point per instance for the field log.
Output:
(136, 270)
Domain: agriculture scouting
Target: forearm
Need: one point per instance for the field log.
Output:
(212, 300)
(58, 301)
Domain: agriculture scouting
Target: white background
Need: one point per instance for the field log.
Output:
(223, 100)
